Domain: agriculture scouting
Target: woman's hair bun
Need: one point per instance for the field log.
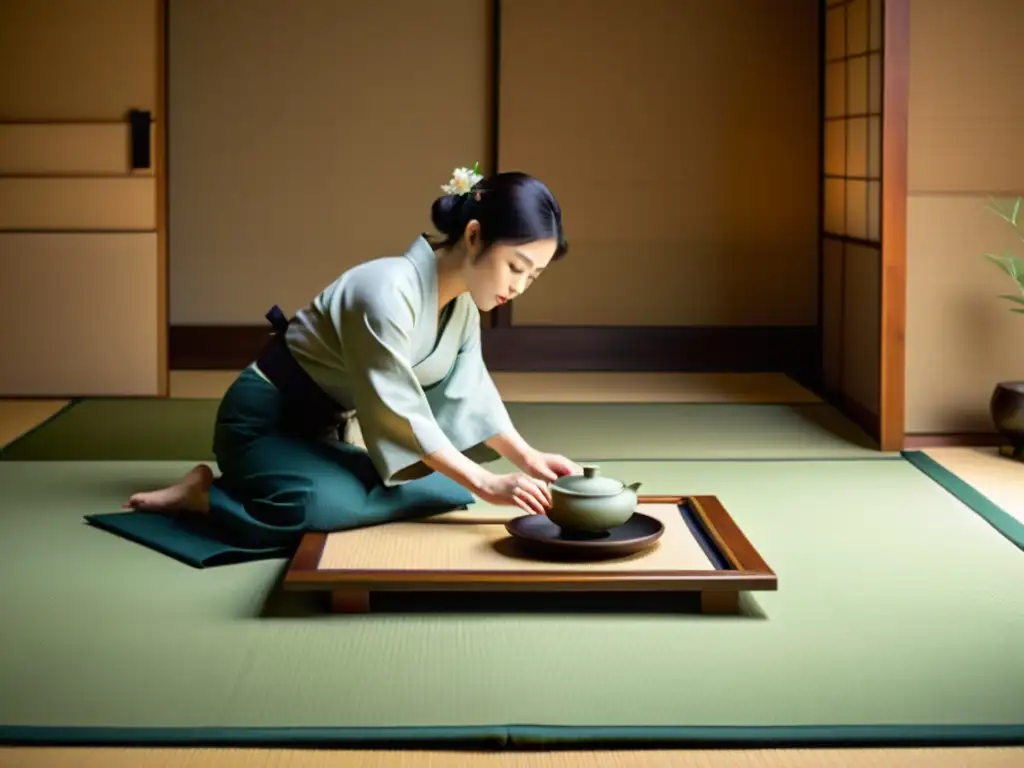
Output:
(511, 207)
(447, 215)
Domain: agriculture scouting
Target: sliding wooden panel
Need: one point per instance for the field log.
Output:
(78, 61)
(81, 229)
(681, 139)
(61, 149)
(76, 314)
(309, 137)
(102, 204)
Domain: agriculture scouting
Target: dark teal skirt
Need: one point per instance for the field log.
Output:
(279, 477)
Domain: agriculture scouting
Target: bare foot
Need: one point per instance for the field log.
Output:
(190, 494)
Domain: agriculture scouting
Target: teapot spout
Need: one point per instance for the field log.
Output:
(634, 487)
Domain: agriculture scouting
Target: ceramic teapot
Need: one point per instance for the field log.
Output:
(590, 503)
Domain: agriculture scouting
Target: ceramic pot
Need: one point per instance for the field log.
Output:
(589, 504)
(1007, 410)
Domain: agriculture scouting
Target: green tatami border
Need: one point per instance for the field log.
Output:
(524, 736)
(1005, 523)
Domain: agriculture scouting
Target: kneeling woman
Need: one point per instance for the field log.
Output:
(388, 358)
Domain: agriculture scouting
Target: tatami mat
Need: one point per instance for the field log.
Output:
(1000, 479)
(997, 478)
(727, 758)
(586, 387)
(182, 429)
(884, 583)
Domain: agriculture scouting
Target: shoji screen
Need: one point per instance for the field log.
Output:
(852, 204)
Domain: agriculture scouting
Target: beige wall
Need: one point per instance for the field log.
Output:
(681, 137)
(966, 113)
(304, 142)
(81, 273)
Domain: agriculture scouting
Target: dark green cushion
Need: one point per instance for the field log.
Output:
(233, 536)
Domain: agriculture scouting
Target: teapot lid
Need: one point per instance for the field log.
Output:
(590, 483)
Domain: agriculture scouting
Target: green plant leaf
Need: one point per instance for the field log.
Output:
(1014, 299)
(1001, 261)
(1011, 214)
(1018, 311)
(997, 209)
(994, 207)
(1011, 265)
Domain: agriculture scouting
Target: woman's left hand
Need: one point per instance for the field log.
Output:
(550, 466)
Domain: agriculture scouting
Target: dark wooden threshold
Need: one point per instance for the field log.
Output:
(651, 348)
(215, 347)
(917, 440)
(791, 350)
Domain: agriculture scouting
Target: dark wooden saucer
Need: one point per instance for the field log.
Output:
(539, 534)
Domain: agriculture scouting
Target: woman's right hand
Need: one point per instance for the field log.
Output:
(519, 490)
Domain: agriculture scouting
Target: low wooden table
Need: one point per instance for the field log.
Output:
(702, 551)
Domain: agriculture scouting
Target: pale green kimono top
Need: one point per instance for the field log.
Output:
(417, 384)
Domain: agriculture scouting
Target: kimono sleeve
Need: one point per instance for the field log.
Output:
(394, 416)
(467, 404)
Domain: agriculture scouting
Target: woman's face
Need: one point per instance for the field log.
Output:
(505, 271)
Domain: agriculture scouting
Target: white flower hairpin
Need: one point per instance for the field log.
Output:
(462, 180)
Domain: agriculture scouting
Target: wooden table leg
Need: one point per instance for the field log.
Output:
(719, 602)
(350, 601)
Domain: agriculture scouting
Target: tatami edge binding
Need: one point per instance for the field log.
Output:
(522, 736)
(1005, 523)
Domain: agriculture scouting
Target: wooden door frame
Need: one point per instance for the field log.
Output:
(163, 276)
(895, 111)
